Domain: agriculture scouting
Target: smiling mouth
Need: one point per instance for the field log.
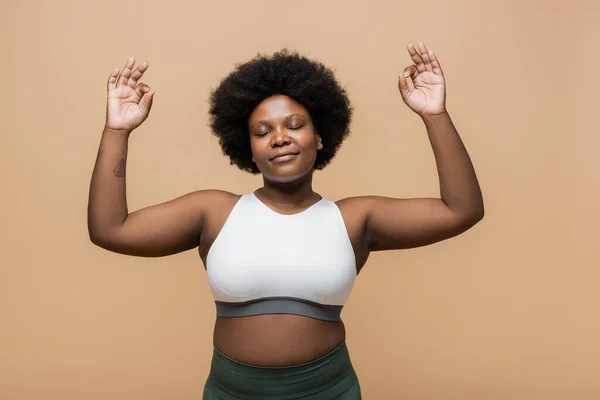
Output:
(284, 157)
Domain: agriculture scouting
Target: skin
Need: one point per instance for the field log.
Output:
(281, 125)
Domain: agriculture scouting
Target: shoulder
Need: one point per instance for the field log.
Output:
(213, 195)
(209, 201)
(354, 211)
(355, 206)
(216, 206)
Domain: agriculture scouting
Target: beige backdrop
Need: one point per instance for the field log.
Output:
(508, 310)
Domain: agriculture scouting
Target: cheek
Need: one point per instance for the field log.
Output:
(259, 152)
(255, 148)
(315, 144)
(252, 151)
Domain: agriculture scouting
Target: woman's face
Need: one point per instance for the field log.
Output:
(283, 138)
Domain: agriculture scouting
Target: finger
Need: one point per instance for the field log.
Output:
(403, 86)
(141, 89)
(137, 74)
(126, 72)
(112, 79)
(416, 57)
(146, 102)
(411, 71)
(435, 64)
(425, 56)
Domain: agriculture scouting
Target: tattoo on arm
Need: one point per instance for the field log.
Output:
(120, 169)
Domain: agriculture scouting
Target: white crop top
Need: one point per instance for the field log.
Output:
(263, 262)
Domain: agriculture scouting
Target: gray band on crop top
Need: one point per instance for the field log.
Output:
(279, 305)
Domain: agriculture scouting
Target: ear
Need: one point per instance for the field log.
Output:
(319, 142)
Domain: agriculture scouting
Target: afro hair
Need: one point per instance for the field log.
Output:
(306, 81)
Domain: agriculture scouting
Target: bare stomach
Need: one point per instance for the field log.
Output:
(275, 340)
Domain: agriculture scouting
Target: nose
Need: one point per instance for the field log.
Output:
(280, 137)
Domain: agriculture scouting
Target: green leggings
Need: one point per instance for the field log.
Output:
(329, 377)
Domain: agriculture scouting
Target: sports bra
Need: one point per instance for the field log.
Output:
(263, 262)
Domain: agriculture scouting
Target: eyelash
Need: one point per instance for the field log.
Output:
(264, 134)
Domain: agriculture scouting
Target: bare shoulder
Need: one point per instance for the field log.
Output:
(213, 194)
(354, 212)
(353, 205)
(217, 202)
(355, 209)
(214, 198)
(218, 205)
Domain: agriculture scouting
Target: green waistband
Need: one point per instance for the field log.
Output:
(327, 377)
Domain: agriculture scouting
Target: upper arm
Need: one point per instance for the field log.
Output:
(163, 229)
(392, 224)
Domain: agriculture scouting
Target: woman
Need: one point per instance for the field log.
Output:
(281, 261)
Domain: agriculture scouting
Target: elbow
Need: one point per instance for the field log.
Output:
(97, 240)
(102, 236)
(473, 217)
(478, 217)
(100, 239)
(480, 212)
(106, 244)
(466, 219)
(93, 233)
(476, 212)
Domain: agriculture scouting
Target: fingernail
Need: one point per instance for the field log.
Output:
(406, 74)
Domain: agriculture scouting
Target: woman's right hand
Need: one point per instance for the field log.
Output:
(129, 101)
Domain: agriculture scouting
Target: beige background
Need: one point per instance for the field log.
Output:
(508, 310)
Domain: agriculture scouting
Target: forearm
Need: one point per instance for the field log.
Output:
(459, 188)
(107, 203)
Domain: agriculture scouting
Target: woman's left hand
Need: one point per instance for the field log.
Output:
(428, 97)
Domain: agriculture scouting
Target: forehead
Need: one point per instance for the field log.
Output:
(276, 107)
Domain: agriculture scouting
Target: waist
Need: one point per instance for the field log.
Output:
(328, 376)
(276, 340)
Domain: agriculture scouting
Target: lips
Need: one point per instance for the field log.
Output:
(288, 155)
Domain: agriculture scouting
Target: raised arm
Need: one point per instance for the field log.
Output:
(404, 223)
(154, 231)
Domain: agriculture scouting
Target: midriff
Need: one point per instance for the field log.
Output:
(275, 340)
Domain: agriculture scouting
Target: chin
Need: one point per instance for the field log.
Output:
(285, 175)
(284, 178)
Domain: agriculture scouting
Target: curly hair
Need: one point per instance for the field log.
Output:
(306, 81)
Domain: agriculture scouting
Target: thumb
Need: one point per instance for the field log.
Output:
(403, 87)
(146, 102)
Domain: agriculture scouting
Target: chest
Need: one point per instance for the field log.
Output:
(261, 238)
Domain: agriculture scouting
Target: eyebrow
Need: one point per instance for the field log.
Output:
(286, 119)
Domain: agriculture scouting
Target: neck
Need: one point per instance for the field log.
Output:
(289, 193)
